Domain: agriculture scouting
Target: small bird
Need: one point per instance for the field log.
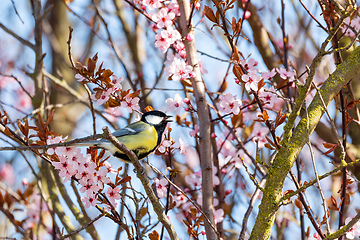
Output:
(141, 137)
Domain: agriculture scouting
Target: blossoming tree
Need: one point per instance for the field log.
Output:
(265, 134)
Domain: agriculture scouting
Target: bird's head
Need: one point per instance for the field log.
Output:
(156, 118)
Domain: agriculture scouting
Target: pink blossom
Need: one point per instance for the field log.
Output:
(229, 104)
(197, 6)
(101, 177)
(354, 231)
(90, 201)
(113, 194)
(152, 4)
(165, 38)
(182, 146)
(179, 198)
(79, 77)
(249, 65)
(67, 169)
(7, 173)
(103, 98)
(89, 186)
(285, 74)
(259, 133)
(268, 75)
(117, 83)
(54, 140)
(190, 36)
(173, 6)
(130, 103)
(165, 144)
(268, 97)
(251, 81)
(161, 187)
(163, 18)
(174, 104)
(182, 70)
(193, 180)
(194, 132)
(218, 216)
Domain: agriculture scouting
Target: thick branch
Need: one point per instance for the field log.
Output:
(204, 120)
(290, 148)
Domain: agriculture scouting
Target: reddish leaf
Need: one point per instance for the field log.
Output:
(237, 72)
(209, 13)
(298, 203)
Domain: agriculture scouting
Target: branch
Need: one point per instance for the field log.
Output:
(145, 182)
(292, 144)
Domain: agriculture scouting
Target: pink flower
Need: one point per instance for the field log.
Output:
(152, 4)
(251, 81)
(269, 98)
(194, 132)
(113, 194)
(165, 38)
(79, 77)
(103, 98)
(269, 75)
(67, 169)
(229, 104)
(181, 70)
(218, 216)
(173, 6)
(249, 65)
(90, 201)
(101, 177)
(54, 140)
(163, 18)
(130, 103)
(165, 144)
(354, 231)
(7, 173)
(182, 146)
(193, 180)
(161, 187)
(285, 74)
(117, 83)
(175, 104)
(259, 133)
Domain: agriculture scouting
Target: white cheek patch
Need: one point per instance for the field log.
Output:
(152, 119)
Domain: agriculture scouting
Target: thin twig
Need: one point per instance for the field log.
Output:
(83, 227)
(316, 174)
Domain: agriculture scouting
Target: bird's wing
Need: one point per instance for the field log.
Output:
(130, 130)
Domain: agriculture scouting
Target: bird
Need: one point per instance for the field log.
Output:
(141, 137)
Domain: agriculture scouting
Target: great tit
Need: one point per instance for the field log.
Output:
(142, 137)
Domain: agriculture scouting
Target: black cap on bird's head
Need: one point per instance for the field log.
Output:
(156, 118)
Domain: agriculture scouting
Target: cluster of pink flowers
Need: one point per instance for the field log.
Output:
(72, 163)
(167, 36)
(229, 104)
(129, 102)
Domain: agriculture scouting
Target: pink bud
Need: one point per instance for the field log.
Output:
(213, 135)
(223, 171)
(186, 109)
(227, 192)
(203, 233)
(247, 14)
(190, 37)
(197, 6)
(186, 101)
(237, 81)
(25, 182)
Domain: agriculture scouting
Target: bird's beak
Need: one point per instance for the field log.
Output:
(167, 118)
